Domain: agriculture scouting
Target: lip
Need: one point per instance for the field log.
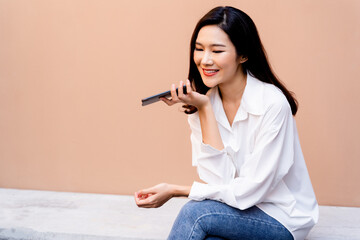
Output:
(209, 74)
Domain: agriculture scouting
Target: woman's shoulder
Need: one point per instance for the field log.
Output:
(259, 97)
(275, 101)
(274, 97)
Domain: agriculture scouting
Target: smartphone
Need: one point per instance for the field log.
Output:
(155, 98)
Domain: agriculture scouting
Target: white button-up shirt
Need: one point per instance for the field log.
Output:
(261, 164)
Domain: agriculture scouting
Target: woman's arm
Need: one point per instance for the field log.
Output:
(209, 128)
(180, 191)
(159, 194)
(156, 196)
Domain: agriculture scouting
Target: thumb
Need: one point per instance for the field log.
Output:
(146, 191)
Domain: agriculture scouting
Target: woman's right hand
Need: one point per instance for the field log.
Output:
(155, 196)
(191, 98)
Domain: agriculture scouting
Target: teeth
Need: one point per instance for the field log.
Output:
(210, 71)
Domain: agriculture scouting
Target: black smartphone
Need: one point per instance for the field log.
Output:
(155, 98)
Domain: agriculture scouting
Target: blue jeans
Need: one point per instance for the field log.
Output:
(210, 219)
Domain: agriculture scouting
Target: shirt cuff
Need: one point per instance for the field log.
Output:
(210, 149)
(201, 191)
(197, 191)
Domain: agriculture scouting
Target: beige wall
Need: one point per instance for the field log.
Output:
(73, 72)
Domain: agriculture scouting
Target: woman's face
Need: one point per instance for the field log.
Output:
(215, 56)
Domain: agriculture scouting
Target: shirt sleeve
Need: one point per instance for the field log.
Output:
(213, 165)
(263, 168)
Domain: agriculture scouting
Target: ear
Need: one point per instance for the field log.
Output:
(242, 59)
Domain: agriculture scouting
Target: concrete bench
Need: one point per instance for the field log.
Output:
(29, 214)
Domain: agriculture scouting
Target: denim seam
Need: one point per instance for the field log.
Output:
(246, 217)
(232, 215)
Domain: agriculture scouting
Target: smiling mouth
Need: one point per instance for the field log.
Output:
(210, 72)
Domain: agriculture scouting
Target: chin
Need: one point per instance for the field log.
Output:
(210, 83)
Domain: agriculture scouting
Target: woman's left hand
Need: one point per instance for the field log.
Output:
(191, 97)
(155, 196)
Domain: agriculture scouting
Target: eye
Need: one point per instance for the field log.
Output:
(198, 49)
(218, 51)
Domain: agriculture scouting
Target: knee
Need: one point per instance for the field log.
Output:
(184, 224)
(194, 210)
(191, 210)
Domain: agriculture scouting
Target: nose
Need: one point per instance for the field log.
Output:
(207, 59)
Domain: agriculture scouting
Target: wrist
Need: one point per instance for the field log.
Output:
(179, 191)
(204, 107)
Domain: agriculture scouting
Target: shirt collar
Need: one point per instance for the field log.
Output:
(253, 96)
(251, 101)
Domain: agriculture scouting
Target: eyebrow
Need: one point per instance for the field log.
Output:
(213, 45)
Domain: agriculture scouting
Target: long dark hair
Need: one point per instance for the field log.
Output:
(243, 34)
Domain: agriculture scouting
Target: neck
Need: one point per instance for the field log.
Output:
(231, 91)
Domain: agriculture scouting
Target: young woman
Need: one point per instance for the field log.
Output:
(244, 139)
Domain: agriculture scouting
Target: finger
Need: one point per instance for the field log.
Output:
(137, 199)
(136, 196)
(146, 206)
(180, 90)
(188, 86)
(146, 191)
(148, 202)
(174, 96)
(167, 101)
(143, 196)
(141, 203)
